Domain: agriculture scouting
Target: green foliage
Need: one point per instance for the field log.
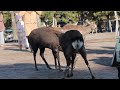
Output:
(7, 19)
(60, 16)
(65, 16)
(47, 15)
(74, 15)
(103, 14)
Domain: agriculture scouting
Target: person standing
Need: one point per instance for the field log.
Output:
(31, 20)
(22, 40)
(2, 28)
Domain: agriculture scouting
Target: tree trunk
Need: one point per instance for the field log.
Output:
(54, 22)
(99, 25)
(110, 26)
(117, 25)
(107, 23)
(15, 37)
(82, 18)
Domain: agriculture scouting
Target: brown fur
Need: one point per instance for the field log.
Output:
(45, 37)
(83, 29)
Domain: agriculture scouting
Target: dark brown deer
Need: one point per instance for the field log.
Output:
(45, 37)
(72, 42)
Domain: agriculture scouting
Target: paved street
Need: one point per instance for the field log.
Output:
(15, 64)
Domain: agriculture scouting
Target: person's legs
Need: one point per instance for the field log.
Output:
(20, 39)
(20, 44)
(26, 43)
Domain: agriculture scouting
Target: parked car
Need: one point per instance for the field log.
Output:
(8, 35)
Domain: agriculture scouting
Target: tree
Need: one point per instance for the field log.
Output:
(108, 24)
(103, 18)
(117, 24)
(7, 19)
(106, 15)
(14, 26)
(65, 16)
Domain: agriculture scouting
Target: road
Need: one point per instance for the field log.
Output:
(15, 64)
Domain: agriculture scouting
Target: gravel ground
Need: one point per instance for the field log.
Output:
(15, 64)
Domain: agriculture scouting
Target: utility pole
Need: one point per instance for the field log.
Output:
(116, 55)
(117, 24)
(15, 37)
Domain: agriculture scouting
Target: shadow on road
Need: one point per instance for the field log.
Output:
(105, 60)
(27, 71)
(16, 49)
(102, 51)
